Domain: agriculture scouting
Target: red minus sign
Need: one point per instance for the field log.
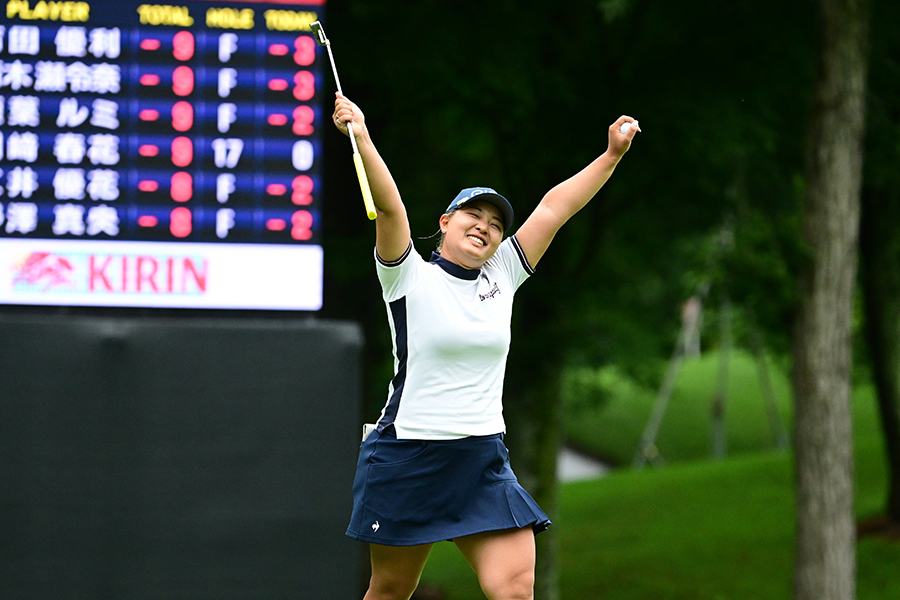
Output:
(149, 79)
(278, 85)
(278, 49)
(150, 44)
(148, 185)
(277, 120)
(276, 224)
(148, 150)
(148, 114)
(147, 221)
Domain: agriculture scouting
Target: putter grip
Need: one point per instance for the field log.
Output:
(364, 186)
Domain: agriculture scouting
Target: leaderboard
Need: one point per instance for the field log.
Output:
(161, 154)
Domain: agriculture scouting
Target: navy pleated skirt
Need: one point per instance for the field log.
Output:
(409, 492)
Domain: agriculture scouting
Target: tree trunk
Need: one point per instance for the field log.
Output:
(533, 415)
(825, 566)
(880, 254)
(548, 442)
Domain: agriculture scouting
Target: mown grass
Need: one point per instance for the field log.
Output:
(697, 529)
(612, 428)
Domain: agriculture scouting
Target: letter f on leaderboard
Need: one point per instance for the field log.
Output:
(227, 114)
(227, 46)
(227, 81)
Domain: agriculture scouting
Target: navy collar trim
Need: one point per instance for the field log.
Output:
(454, 269)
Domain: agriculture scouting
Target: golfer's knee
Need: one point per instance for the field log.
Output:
(518, 585)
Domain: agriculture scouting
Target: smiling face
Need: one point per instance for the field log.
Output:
(472, 233)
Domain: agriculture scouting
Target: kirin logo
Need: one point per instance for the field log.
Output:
(44, 269)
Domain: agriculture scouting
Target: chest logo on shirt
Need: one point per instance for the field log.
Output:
(490, 295)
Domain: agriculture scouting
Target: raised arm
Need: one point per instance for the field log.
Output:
(392, 233)
(570, 196)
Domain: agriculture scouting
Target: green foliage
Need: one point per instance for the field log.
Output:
(883, 109)
(613, 429)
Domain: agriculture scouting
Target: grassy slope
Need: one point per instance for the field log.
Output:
(696, 529)
(613, 429)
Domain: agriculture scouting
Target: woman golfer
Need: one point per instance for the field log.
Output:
(435, 467)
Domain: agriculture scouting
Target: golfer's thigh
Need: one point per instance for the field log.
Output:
(503, 560)
(397, 568)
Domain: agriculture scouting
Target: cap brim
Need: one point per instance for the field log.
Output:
(500, 202)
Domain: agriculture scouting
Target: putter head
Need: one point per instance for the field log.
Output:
(317, 31)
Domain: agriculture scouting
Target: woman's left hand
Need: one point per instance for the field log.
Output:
(619, 142)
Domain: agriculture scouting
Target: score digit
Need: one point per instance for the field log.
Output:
(302, 155)
(301, 222)
(183, 45)
(182, 151)
(182, 81)
(302, 190)
(182, 188)
(303, 120)
(182, 116)
(180, 222)
(305, 48)
(304, 85)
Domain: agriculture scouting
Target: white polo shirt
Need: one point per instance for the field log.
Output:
(451, 330)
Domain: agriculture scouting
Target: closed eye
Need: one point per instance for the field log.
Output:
(477, 212)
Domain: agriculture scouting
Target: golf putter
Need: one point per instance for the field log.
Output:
(319, 34)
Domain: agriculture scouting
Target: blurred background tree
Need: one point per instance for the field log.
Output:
(825, 565)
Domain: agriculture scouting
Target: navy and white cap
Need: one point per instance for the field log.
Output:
(484, 194)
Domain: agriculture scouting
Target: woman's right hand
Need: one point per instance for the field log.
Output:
(347, 112)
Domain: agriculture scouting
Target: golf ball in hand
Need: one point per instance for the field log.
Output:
(626, 126)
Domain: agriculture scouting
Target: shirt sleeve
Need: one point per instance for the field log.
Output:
(511, 259)
(397, 277)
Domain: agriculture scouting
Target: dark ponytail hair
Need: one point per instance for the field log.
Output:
(439, 235)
